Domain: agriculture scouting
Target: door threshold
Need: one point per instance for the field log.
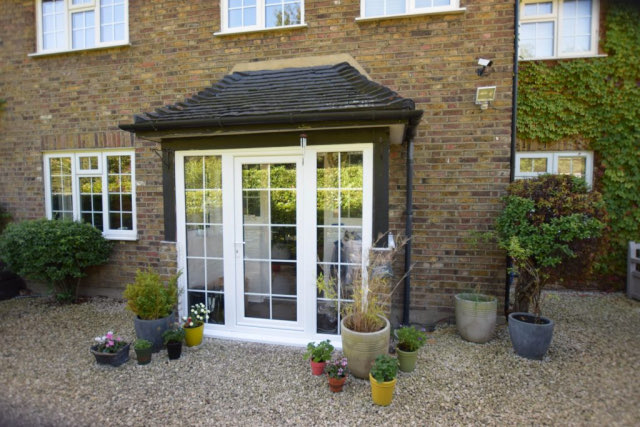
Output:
(292, 341)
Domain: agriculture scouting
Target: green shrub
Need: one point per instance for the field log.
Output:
(549, 227)
(385, 368)
(410, 338)
(319, 353)
(55, 252)
(148, 298)
(142, 344)
(173, 335)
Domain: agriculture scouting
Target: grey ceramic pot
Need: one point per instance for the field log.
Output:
(152, 330)
(529, 338)
(362, 348)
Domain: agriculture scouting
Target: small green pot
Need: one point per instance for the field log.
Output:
(407, 360)
(144, 356)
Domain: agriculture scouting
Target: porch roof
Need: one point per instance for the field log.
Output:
(326, 93)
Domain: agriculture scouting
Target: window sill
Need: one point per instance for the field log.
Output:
(130, 238)
(554, 58)
(412, 14)
(259, 30)
(61, 52)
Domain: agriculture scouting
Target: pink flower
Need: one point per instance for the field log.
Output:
(109, 335)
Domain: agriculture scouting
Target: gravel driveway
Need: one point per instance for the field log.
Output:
(48, 377)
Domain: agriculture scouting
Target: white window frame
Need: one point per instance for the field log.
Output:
(552, 163)
(260, 19)
(93, 5)
(412, 10)
(556, 18)
(101, 172)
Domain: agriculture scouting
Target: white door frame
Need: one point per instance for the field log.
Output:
(234, 328)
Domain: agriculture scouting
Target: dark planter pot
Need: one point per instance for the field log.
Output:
(144, 356)
(174, 350)
(152, 330)
(113, 359)
(530, 339)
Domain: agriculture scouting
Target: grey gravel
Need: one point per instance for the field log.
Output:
(48, 377)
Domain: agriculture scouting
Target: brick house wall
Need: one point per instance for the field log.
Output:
(75, 100)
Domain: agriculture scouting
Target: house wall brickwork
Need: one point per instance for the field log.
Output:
(75, 100)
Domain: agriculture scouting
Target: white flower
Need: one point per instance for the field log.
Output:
(98, 339)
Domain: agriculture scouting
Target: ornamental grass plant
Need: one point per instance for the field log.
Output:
(149, 298)
(372, 293)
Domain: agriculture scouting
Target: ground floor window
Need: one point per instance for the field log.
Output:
(533, 163)
(94, 187)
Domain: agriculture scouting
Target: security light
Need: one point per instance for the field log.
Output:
(485, 95)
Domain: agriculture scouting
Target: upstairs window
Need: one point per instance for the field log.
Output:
(94, 187)
(65, 25)
(382, 8)
(558, 28)
(255, 15)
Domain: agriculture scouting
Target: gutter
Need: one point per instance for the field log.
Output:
(412, 116)
(514, 117)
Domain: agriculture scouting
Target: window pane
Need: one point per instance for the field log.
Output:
(576, 26)
(53, 24)
(61, 191)
(395, 7)
(536, 39)
(540, 165)
(572, 165)
(374, 7)
(83, 29)
(542, 8)
(112, 20)
(120, 193)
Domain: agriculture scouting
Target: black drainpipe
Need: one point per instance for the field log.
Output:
(514, 117)
(408, 232)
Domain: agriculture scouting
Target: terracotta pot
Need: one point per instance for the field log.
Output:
(193, 336)
(336, 384)
(317, 368)
(362, 348)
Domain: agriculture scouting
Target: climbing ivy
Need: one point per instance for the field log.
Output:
(597, 100)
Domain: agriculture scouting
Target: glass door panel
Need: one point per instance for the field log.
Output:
(339, 230)
(203, 221)
(269, 265)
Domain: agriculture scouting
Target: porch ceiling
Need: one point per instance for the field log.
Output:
(291, 96)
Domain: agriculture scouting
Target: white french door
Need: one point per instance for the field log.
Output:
(268, 239)
(258, 230)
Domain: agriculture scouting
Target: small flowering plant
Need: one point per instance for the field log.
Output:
(337, 368)
(410, 338)
(109, 343)
(198, 315)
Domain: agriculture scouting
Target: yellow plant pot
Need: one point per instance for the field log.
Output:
(382, 393)
(193, 336)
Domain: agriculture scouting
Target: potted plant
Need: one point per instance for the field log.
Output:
(548, 227)
(337, 372)
(193, 325)
(383, 379)
(110, 350)
(173, 338)
(410, 340)
(476, 316)
(319, 355)
(152, 302)
(143, 351)
(365, 330)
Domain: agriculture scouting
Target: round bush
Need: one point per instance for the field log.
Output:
(53, 251)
